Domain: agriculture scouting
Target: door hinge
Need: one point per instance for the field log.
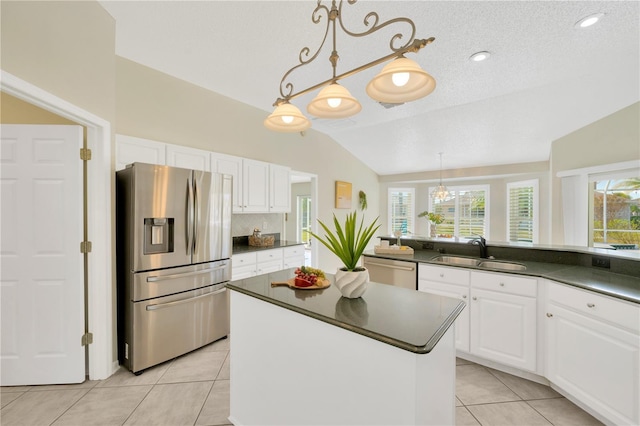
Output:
(85, 154)
(85, 247)
(87, 339)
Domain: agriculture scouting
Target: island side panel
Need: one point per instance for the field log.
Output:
(290, 369)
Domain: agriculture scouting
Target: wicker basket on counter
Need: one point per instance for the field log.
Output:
(261, 241)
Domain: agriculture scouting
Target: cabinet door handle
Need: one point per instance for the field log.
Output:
(591, 305)
(501, 284)
(474, 298)
(549, 315)
(441, 275)
(464, 296)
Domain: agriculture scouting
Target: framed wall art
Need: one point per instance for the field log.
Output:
(343, 195)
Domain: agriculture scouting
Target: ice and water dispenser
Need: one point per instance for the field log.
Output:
(158, 235)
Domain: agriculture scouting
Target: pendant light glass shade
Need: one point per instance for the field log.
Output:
(334, 101)
(388, 85)
(287, 118)
(440, 193)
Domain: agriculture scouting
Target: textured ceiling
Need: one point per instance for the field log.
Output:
(545, 77)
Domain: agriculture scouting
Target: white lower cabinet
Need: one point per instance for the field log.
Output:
(243, 266)
(503, 319)
(269, 261)
(451, 282)
(499, 322)
(293, 256)
(593, 351)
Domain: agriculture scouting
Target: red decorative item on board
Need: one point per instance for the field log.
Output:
(301, 282)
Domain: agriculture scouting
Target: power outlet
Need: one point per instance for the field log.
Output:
(601, 262)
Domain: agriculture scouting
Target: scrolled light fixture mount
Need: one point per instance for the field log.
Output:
(401, 80)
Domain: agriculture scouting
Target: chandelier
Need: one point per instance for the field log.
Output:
(401, 80)
(440, 192)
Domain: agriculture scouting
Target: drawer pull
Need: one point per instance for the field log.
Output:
(441, 275)
(501, 284)
(549, 315)
(474, 298)
(464, 296)
(591, 305)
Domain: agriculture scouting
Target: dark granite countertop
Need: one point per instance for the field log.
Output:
(408, 319)
(246, 248)
(626, 287)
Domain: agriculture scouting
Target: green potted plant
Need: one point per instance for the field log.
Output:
(348, 242)
(435, 219)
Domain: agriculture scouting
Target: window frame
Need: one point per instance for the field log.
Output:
(454, 191)
(411, 215)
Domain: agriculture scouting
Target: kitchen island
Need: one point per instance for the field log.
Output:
(313, 357)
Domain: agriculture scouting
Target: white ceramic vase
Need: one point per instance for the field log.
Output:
(352, 284)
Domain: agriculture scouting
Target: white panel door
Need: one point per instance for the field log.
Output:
(41, 267)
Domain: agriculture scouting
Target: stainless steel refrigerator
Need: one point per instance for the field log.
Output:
(173, 239)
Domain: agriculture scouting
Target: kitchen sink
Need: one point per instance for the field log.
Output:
(489, 264)
(457, 260)
(504, 266)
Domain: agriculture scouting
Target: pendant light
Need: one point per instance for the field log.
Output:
(287, 118)
(441, 192)
(401, 80)
(334, 101)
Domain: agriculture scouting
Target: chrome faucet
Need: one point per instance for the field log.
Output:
(482, 243)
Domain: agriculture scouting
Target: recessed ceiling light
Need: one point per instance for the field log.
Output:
(587, 21)
(480, 56)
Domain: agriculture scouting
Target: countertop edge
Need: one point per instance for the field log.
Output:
(551, 275)
(428, 346)
(241, 249)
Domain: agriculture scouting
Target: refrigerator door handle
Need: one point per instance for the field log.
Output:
(196, 215)
(190, 214)
(155, 278)
(180, 302)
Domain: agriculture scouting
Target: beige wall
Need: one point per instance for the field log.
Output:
(153, 105)
(63, 47)
(612, 139)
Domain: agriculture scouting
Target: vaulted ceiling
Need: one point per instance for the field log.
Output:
(544, 79)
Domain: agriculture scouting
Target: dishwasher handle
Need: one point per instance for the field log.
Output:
(385, 265)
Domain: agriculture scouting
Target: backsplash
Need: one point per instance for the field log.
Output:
(243, 224)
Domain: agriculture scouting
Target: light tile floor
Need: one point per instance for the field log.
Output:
(194, 390)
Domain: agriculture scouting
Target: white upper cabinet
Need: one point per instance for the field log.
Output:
(230, 165)
(255, 186)
(188, 158)
(279, 189)
(130, 149)
(258, 186)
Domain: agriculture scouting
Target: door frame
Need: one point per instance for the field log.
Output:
(101, 289)
(313, 178)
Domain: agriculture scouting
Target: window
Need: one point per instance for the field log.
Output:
(465, 212)
(616, 212)
(522, 211)
(401, 210)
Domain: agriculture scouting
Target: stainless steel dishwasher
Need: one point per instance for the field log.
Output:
(395, 272)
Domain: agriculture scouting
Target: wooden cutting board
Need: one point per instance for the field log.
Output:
(321, 283)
